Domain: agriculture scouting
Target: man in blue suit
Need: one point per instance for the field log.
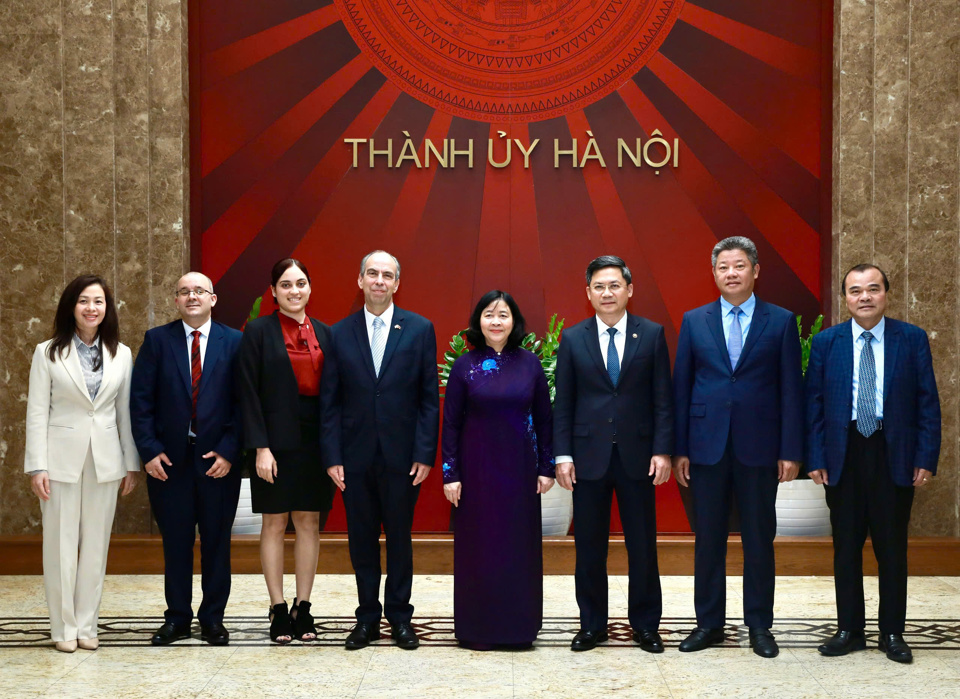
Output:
(613, 431)
(185, 424)
(381, 418)
(738, 397)
(873, 436)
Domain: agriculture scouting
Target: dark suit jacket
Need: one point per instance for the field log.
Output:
(267, 387)
(759, 404)
(911, 404)
(590, 413)
(399, 411)
(161, 395)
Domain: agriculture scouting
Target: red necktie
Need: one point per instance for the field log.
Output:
(195, 371)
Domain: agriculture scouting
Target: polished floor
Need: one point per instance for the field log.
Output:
(127, 666)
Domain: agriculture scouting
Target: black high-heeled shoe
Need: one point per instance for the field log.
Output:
(281, 628)
(303, 624)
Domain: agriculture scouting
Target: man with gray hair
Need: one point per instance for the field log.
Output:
(738, 401)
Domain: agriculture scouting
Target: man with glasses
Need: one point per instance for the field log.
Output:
(186, 425)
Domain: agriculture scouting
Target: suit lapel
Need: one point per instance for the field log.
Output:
(715, 325)
(360, 333)
(210, 357)
(178, 342)
(632, 341)
(761, 314)
(393, 338)
(71, 362)
(891, 346)
(591, 339)
(845, 361)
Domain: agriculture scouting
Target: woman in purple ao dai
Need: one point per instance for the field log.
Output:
(497, 461)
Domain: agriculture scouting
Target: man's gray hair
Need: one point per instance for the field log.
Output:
(735, 242)
(199, 274)
(363, 262)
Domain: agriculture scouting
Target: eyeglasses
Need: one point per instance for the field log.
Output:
(200, 293)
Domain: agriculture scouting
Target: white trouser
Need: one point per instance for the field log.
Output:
(77, 520)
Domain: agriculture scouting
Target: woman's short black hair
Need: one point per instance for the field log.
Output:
(475, 335)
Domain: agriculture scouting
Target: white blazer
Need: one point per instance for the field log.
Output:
(62, 421)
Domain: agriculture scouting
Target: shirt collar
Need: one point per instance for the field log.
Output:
(620, 325)
(81, 345)
(204, 329)
(877, 331)
(747, 306)
(386, 316)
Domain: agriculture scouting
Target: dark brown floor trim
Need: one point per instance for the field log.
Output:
(433, 554)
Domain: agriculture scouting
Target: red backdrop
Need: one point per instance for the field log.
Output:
(743, 85)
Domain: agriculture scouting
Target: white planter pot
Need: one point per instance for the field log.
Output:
(246, 522)
(802, 509)
(556, 511)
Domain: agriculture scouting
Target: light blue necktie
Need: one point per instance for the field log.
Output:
(377, 344)
(613, 359)
(867, 389)
(735, 341)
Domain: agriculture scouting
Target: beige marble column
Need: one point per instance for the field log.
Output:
(93, 175)
(896, 178)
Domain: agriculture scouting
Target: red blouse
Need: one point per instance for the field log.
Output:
(305, 354)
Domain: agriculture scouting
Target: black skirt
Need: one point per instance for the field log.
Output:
(301, 483)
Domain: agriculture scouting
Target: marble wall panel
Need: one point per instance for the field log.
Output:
(79, 165)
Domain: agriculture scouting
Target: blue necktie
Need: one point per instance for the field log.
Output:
(378, 344)
(735, 341)
(613, 359)
(867, 389)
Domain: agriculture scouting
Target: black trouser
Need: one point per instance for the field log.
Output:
(188, 499)
(372, 498)
(755, 489)
(591, 511)
(866, 499)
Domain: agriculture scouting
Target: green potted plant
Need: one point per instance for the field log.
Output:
(801, 504)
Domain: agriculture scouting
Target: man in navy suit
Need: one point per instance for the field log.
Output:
(613, 431)
(185, 424)
(873, 436)
(738, 396)
(381, 418)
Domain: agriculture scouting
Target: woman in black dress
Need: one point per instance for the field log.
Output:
(279, 366)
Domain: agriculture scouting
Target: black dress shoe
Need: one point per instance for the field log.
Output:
(168, 633)
(700, 639)
(896, 648)
(215, 634)
(362, 636)
(649, 641)
(405, 636)
(763, 644)
(843, 642)
(588, 640)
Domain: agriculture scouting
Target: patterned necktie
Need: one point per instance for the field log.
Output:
(867, 389)
(195, 372)
(613, 359)
(377, 344)
(735, 341)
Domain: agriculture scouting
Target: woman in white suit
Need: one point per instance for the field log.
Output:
(79, 453)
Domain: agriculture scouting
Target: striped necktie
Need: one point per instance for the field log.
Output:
(867, 388)
(377, 344)
(195, 372)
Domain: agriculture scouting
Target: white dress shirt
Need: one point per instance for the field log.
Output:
(204, 335)
(386, 317)
(619, 341)
(877, 345)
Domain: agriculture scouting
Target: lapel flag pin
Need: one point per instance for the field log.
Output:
(397, 327)
(634, 336)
